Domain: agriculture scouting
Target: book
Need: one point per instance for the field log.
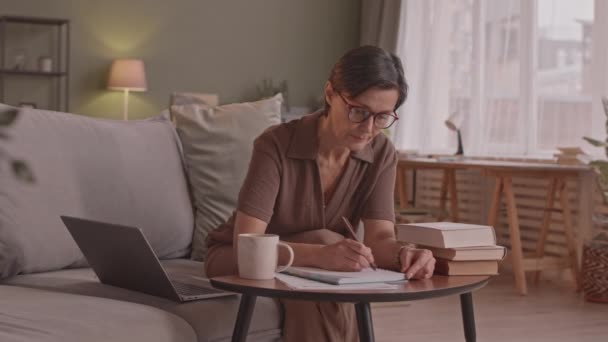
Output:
(572, 156)
(574, 159)
(404, 154)
(567, 160)
(468, 253)
(476, 267)
(446, 234)
(573, 150)
(449, 158)
(367, 275)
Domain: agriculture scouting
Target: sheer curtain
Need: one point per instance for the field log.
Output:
(422, 47)
(525, 76)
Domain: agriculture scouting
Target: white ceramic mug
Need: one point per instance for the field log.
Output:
(258, 255)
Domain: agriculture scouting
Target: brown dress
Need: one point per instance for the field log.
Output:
(283, 188)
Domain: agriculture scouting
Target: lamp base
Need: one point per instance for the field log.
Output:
(125, 105)
(460, 150)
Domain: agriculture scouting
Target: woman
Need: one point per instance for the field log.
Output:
(306, 174)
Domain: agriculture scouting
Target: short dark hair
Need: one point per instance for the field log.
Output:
(367, 67)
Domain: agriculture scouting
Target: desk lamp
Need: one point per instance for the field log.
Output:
(454, 123)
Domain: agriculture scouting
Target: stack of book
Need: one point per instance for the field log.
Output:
(572, 156)
(459, 248)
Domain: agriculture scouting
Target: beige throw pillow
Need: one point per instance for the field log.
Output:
(217, 143)
(194, 98)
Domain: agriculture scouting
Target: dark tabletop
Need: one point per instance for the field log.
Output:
(437, 286)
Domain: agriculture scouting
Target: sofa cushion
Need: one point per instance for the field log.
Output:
(36, 315)
(212, 320)
(128, 173)
(217, 144)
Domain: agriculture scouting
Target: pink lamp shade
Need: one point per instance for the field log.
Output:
(127, 74)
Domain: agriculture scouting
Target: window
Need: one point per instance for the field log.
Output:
(521, 74)
(562, 76)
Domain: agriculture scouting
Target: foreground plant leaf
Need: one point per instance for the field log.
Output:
(8, 116)
(22, 171)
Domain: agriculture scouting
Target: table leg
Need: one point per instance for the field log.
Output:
(364, 322)
(495, 203)
(453, 196)
(402, 186)
(571, 243)
(414, 187)
(544, 229)
(517, 255)
(243, 318)
(443, 194)
(468, 316)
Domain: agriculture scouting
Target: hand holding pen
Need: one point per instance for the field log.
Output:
(354, 237)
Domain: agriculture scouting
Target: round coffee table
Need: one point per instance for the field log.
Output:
(437, 286)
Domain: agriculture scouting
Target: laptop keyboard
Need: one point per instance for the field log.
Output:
(186, 289)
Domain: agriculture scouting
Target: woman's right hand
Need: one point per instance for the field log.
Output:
(346, 255)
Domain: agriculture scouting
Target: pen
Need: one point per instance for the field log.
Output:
(354, 237)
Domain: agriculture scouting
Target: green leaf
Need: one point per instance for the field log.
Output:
(600, 167)
(596, 142)
(7, 116)
(22, 171)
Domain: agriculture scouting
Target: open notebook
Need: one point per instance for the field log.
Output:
(367, 275)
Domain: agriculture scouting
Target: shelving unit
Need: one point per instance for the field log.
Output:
(23, 34)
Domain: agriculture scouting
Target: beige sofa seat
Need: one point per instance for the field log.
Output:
(212, 320)
(28, 315)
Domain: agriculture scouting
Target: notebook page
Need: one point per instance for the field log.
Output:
(367, 275)
(298, 283)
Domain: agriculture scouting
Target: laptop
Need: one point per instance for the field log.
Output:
(121, 256)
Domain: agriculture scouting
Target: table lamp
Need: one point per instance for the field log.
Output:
(127, 75)
(454, 122)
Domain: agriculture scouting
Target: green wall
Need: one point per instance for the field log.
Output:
(218, 46)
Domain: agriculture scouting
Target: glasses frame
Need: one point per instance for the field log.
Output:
(372, 114)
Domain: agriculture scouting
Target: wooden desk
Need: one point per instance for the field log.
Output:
(503, 172)
(437, 286)
(448, 184)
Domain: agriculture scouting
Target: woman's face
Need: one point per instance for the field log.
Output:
(355, 136)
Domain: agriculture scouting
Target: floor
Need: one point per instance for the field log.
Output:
(552, 311)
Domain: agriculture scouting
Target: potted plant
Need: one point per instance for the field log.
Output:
(595, 252)
(601, 166)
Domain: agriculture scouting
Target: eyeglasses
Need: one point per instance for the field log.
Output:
(361, 114)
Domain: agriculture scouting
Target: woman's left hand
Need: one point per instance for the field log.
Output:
(417, 263)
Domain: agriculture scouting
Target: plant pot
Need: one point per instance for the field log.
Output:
(595, 269)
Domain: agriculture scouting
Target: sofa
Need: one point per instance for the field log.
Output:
(129, 173)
